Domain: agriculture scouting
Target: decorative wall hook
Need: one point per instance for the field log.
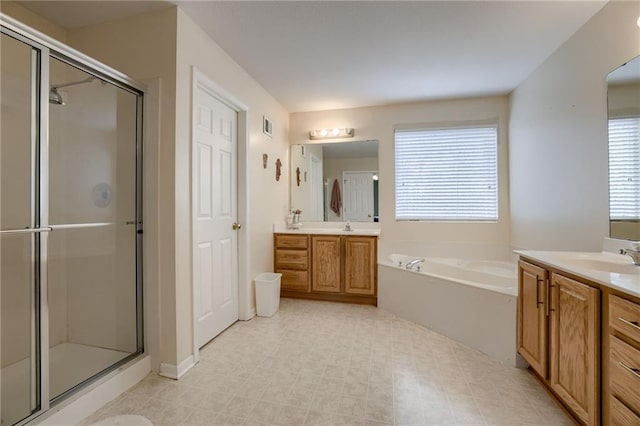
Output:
(278, 169)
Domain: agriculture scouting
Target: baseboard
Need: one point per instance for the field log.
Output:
(172, 371)
(79, 406)
(252, 313)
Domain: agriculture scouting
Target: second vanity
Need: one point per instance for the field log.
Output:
(579, 329)
(327, 264)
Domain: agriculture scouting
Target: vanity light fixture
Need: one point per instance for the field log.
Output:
(331, 133)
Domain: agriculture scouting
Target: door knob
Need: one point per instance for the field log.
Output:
(236, 226)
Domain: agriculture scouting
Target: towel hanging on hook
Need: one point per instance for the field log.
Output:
(336, 198)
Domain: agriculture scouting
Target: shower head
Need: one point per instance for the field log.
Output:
(55, 97)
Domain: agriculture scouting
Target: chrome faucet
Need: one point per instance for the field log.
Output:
(347, 226)
(634, 254)
(414, 262)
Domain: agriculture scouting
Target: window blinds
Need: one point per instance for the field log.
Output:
(624, 168)
(447, 174)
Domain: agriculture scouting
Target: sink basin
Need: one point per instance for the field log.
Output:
(604, 265)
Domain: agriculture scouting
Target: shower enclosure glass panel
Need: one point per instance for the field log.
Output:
(92, 211)
(70, 222)
(19, 236)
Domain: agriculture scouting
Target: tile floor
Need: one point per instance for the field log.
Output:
(321, 363)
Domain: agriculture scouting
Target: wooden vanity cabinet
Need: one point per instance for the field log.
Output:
(291, 259)
(325, 258)
(339, 268)
(533, 315)
(624, 361)
(558, 331)
(360, 265)
(575, 346)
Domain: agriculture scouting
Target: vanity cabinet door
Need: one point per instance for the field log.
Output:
(532, 316)
(575, 346)
(325, 263)
(360, 261)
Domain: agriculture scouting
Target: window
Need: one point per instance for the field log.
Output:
(624, 168)
(447, 174)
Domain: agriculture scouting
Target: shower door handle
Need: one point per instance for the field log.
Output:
(26, 230)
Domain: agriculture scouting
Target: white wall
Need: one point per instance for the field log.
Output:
(558, 136)
(13, 9)
(268, 198)
(376, 123)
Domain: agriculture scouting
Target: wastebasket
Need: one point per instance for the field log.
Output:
(267, 294)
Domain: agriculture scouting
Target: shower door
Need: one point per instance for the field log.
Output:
(21, 234)
(70, 223)
(92, 247)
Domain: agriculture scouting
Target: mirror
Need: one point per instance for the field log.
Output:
(623, 100)
(335, 182)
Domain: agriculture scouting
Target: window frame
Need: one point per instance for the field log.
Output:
(491, 123)
(616, 117)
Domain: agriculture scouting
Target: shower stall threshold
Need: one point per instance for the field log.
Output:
(70, 364)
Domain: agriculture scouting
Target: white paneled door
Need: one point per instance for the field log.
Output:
(215, 227)
(358, 196)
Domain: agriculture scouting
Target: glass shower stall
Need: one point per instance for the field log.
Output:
(70, 222)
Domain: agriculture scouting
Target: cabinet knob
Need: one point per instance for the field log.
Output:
(236, 226)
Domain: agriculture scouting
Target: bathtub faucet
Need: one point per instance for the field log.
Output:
(414, 262)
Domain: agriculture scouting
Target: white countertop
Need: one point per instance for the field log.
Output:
(328, 231)
(611, 270)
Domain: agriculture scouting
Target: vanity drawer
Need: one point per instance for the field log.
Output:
(624, 316)
(292, 241)
(292, 259)
(621, 415)
(294, 280)
(624, 373)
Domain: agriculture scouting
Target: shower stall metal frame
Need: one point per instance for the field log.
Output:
(44, 48)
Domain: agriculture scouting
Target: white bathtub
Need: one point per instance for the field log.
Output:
(470, 301)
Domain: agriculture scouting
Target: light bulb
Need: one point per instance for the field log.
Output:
(323, 133)
(336, 132)
(638, 21)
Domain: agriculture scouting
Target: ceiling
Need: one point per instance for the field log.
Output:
(317, 55)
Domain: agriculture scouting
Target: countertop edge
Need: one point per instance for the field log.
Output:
(329, 231)
(625, 283)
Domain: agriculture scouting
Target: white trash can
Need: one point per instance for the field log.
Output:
(267, 294)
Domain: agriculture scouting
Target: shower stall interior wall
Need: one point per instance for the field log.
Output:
(70, 225)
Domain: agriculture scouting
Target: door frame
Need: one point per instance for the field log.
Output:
(315, 161)
(199, 80)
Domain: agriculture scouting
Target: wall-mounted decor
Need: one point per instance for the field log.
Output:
(267, 126)
(298, 176)
(265, 157)
(278, 169)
